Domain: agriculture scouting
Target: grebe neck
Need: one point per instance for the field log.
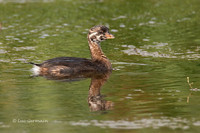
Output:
(97, 53)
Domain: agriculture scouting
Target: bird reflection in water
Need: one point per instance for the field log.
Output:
(95, 99)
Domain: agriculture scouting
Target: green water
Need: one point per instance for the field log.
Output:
(156, 47)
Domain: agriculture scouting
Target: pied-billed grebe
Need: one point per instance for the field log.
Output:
(68, 66)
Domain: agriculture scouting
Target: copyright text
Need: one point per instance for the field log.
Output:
(29, 121)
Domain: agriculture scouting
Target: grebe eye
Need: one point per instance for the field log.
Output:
(101, 37)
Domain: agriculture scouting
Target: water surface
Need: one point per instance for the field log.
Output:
(156, 47)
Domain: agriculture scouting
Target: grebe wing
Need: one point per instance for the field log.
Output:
(67, 61)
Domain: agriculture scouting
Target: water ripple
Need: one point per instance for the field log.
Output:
(24, 48)
(128, 63)
(119, 17)
(172, 123)
(166, 51)
(24, 1)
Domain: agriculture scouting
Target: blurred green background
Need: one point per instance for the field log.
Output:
(156, 47)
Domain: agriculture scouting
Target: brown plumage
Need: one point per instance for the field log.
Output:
(79, 67)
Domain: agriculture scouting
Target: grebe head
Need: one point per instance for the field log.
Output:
(99, 33)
